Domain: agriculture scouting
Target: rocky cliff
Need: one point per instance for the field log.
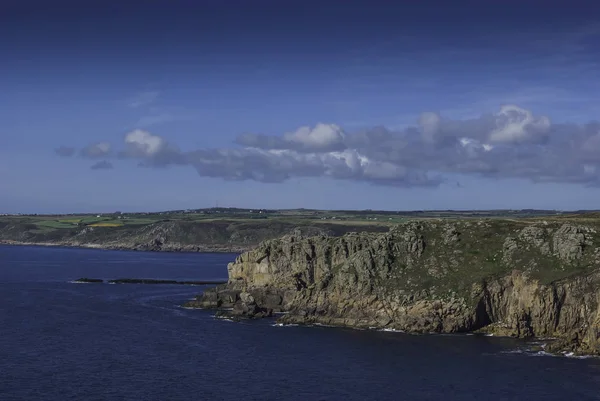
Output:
(504, 277)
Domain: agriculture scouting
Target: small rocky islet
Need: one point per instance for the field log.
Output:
(525, 279)
(148, 281)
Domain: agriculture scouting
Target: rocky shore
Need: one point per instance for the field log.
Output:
(507, 278)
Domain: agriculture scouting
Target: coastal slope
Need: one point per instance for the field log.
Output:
(218, 235)
(512, 278)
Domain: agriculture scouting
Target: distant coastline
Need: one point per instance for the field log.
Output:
(114, 247)
(174, 232)
(222, 230)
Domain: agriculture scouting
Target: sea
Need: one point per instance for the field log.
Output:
(61, 340)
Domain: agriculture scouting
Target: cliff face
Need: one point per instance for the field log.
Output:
(502, 277)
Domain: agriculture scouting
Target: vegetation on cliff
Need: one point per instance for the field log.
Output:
(520, 278)
(170, 234)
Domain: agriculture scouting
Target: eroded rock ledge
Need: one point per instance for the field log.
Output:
(509, 278)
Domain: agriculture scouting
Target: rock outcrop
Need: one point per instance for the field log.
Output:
(496, 276)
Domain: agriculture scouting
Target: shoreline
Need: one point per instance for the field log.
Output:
(135, 248)
(538, 345)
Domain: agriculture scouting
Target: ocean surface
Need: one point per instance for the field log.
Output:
(66, 341)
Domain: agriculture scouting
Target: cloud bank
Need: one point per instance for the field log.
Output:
(102, 165)
(97, 150)
(511, 143)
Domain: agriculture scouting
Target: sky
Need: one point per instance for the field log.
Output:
(436, 104)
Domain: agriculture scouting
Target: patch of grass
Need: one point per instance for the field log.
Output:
(53, 224)
(70, 221)
(92, 220)
(133, 222)
(106, 224)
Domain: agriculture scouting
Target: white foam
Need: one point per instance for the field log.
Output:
(541, 353)
(322, 325)
(283, 325)
(513, 351)
(545, 353)
(572, 355)
(392, 330)
(581, 356)
(225, 319)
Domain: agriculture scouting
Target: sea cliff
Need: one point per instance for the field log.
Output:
(512, 278)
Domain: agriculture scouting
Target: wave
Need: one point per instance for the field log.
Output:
(572, 355)
(514, 351)
(322, 325)
(222, 318)
(538, 353)
(392, 330)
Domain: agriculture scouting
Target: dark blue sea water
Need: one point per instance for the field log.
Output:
(64, 341)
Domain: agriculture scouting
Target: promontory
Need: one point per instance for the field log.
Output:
(521, 278)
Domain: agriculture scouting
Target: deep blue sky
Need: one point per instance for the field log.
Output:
(152, 105)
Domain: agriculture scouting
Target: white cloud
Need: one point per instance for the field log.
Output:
(472, 146)
(351, 158)
(97, 150)
(429, 123)
(512, 143)
(322, 136)
(589, 169)
(144, 143)
(102, 165)
(514, 124)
